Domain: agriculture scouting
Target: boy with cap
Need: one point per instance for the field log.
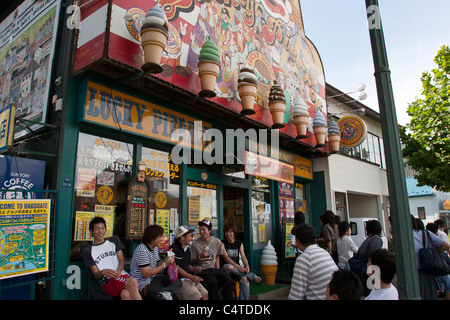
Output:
(191, 288)
(205, 253)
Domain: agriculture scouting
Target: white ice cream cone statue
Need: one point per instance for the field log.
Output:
(208, 68)
(154, 35)
(248, 88)
(334, 136)
(320, 128)
(269, 263)
(277, 104)
(301, 118)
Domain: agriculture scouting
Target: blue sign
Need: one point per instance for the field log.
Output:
(20, 176)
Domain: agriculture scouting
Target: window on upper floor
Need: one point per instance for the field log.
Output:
(371, 150)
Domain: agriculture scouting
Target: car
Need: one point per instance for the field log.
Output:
(359, 231)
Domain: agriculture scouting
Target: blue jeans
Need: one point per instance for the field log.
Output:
(244, 293)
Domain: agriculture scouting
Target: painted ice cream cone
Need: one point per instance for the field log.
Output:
(208, 68)
(334, 136)
(269, 263)
(301, 117)
(154, 35)
(277, 104)
(247, 87)
(320, 128)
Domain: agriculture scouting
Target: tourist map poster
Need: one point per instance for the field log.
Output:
(24, 237)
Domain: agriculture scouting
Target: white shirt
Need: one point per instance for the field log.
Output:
(345, 248)
(390, 293)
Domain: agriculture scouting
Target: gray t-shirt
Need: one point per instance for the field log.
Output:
(215, 249)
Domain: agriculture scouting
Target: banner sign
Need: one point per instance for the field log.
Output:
(24, 237)
(7, 127)
(26, 54)
(261, 166)
(20, 176)
(121, 111)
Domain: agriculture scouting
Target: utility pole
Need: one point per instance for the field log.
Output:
(407, 275)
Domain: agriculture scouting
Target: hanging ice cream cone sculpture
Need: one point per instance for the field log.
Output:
(301, 118)
(320, 128)
(334, 136)
(269, 263)
(247, 87)
(154, 35)
(208, 68)
(277, 104)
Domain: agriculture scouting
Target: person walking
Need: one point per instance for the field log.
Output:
(428, 289)
(345, 245)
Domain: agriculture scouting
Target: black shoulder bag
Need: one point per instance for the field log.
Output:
(431, 260)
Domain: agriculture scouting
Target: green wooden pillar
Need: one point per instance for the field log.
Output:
(407, 276)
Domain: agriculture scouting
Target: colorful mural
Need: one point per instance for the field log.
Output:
(268, 35)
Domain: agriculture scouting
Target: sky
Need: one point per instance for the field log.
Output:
(414, 31)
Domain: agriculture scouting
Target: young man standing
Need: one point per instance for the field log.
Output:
(191, 288)
(205, 253)
(104, 258)
(313, 269)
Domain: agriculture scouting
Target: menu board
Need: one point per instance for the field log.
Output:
(24, 234)
(137, 208)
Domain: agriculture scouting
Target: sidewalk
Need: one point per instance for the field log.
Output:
(268, 292)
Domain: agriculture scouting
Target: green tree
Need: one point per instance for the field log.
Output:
(426, 138)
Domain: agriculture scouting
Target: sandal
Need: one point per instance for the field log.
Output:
(257, 282)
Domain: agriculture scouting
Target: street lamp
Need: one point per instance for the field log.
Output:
(407, 276)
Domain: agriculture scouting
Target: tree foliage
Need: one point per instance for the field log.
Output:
(426, 138)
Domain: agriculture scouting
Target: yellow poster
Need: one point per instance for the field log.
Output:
(24, 235)
(262, 232)
(163, 220)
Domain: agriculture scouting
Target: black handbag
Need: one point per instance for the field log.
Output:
(358, 264)
(432, 261)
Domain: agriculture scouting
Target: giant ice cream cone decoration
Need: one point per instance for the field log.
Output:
(301, 118)
(334, 136)
(277, 104)
(269, 263)
(154, 35)
(247, 87)
(320, 128)
(208, 68)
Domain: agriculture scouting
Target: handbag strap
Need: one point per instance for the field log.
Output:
(423, 238)
(429, 239)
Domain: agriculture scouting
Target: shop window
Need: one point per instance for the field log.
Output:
(202, 204)
(301, 202)
(341, 205)
(261, 212)
(421, 213)
(164, 179)
(103, 170)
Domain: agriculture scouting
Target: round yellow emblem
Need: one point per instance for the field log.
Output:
(160, 200)
(104, 194)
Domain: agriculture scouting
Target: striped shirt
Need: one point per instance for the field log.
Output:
(143, 257)
(312, 272)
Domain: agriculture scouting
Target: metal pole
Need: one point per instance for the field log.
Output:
(407, 276)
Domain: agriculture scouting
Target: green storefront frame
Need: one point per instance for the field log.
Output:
(68, 153)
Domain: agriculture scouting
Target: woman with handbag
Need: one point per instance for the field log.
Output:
(424, 239)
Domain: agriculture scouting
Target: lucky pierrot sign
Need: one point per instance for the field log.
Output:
(353, 131)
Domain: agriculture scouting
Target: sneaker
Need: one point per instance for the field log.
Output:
(167, 295)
